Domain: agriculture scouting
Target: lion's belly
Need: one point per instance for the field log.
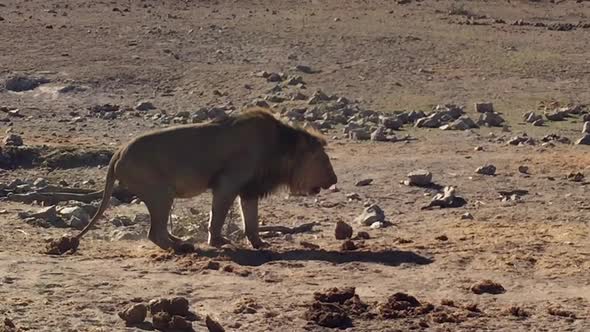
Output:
(190, 187)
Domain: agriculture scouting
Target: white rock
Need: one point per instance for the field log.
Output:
(419, 177)
(370, 215)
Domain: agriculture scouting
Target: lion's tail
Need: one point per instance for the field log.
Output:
(106, 196)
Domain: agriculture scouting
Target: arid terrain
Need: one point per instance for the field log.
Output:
(79, 78)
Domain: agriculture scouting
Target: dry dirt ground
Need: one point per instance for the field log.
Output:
(182, 55)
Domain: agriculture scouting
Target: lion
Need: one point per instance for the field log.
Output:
(249, 155)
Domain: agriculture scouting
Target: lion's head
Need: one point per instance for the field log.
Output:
(311, 167)
(296, 157)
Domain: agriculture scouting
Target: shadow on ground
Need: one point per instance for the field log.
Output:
(259, 257)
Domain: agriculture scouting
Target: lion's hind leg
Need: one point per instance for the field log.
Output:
(159, 204)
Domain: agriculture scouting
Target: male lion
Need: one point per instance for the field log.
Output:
(248, 155)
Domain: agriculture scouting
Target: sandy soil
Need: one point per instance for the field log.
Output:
(183, 55)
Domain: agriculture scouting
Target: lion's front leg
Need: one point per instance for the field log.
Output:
(222, 202)
(249, 212)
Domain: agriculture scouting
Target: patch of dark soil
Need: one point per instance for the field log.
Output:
(72, 158)
(517, 311)
(8, 326)
(328, 315)
(449, 317)
(334, 308)
(401, 305)
(62, 245)
(247, 306)
(487, 286)
(23, 83)
(556, 311)
(12, 157)
(335, 295)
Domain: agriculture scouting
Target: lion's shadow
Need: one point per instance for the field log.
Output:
(248, 257)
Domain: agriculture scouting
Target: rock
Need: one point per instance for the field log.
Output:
(486, 170)
(217, 113)
(12, 140)
(360, 134)
(348, 245)
(556, 138)
(391, 122)
(490, 120)
(353, 197)
(200, 115)
(449, 111)
(363, 236)
(298, 96)
(446, 199)
(161, 320)
(275, 99)
(294, 80)
(145, 106)
(48, 214)
(555, 115)
(343, 231)
(487, 286)
(134, 314)
(420, 178)
(77, 223)
(431, 121)
(127, 235)
(521, 140)
(371, 215)
(350, 127)
(539, 123)
(442, 238)
(179, 306)
(413, 116)
(585, 140)
(317, 97)
(377, 225)
(467, 216)
(274, 77)
(586, 128)
(15, 113)
(120, 221)
(561, 26)
(531, 117)
(379, 135)
(523, 169)
(183, 115)
(159, 305)
(462, 123)
(74, 211)
(484, 107)
(212, 325)
(304, 69)
(363, 182)
(179, 323)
